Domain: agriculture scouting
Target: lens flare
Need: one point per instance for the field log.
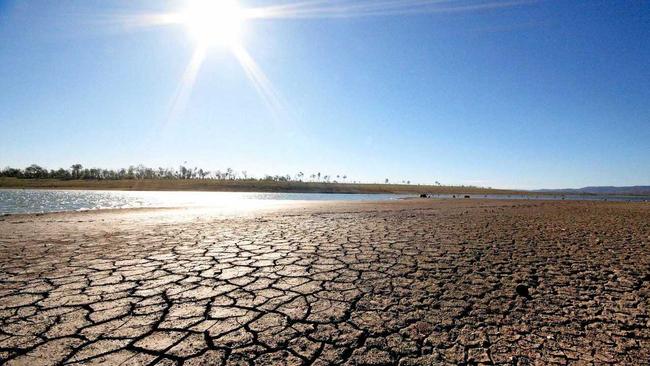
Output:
(220, 24)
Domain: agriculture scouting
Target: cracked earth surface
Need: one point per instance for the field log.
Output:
(400, 283)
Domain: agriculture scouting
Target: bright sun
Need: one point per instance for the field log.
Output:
(214, 22)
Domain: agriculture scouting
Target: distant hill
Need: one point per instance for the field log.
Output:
(633, 190)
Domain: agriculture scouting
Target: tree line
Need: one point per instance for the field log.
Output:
(79, 172)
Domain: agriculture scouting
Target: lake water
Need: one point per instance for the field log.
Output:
(14, 201)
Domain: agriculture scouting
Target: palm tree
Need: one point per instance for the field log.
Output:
(76, 168)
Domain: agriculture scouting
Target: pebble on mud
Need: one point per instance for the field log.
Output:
(522, 290)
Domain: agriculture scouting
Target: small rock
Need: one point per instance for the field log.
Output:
(522, 290)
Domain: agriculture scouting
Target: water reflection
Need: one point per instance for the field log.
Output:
(14, 201)
(35, 201)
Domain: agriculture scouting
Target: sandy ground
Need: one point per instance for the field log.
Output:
(420, 282)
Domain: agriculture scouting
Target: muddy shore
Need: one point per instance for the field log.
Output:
(414, 282)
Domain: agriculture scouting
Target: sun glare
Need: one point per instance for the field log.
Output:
(214, 22)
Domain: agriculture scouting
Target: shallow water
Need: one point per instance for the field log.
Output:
(15, 201)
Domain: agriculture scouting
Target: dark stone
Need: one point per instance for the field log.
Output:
(522, 290)
(423, 195)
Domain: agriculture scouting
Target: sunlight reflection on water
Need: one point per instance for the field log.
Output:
(14, 201)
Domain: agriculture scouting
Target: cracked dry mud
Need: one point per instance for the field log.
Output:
(400, 283)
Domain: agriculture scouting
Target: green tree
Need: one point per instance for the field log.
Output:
(76, 169)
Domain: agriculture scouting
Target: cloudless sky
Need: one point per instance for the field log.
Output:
(546, 94)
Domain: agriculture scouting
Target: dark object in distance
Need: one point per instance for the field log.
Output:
(423, 195)
(522, 290)
(466, 196)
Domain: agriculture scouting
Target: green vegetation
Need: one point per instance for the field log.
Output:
(194, 179)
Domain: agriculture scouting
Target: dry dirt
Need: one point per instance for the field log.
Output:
(396, 283)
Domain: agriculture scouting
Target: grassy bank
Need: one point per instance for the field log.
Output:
(240, 186)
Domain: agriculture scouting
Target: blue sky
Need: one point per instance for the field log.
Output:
(541, 94)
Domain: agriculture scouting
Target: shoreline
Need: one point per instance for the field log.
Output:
(263, 187)
(247, 186)
(288, 205)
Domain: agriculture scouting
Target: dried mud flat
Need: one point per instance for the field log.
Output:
(399, 283)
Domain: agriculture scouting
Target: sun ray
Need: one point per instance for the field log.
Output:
(130, 22)
(356, 9)
(311, 9)
(218, 23)
(184, 91)
(261, 82)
